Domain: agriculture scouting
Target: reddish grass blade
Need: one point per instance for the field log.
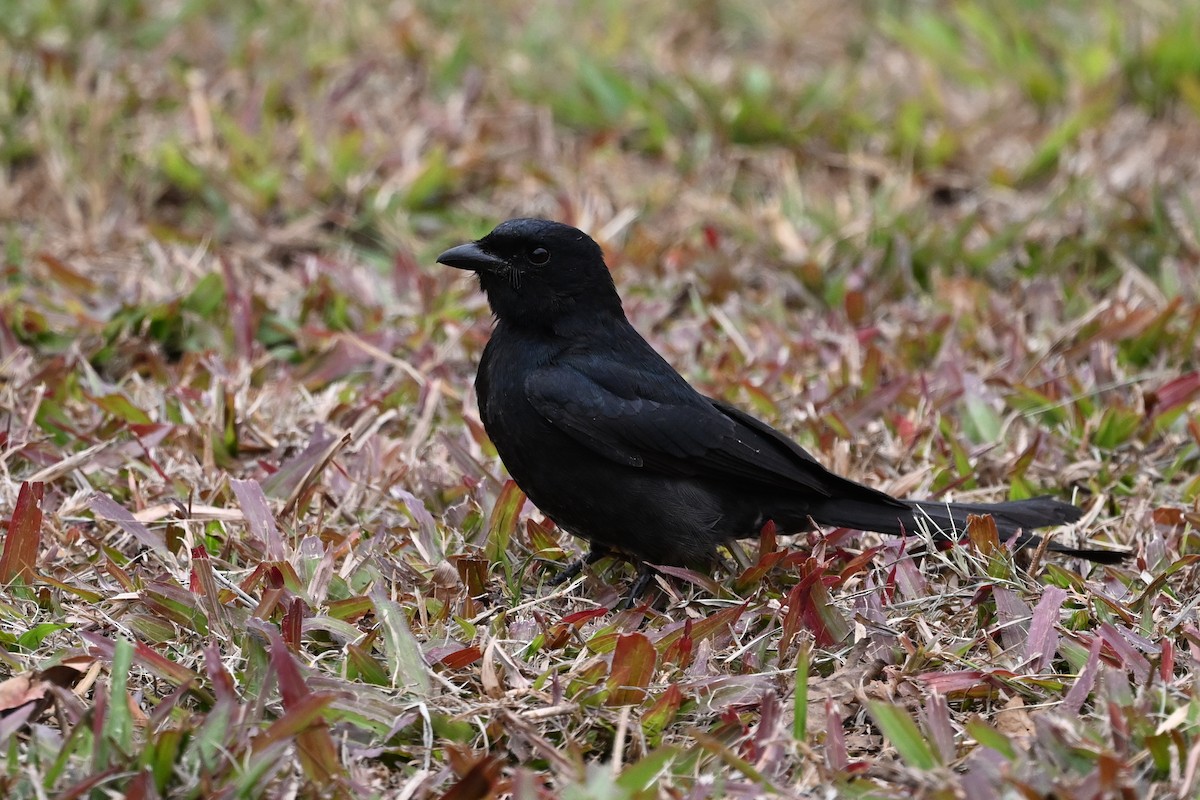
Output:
(583, 616)
(268, 602)
(121, 575)
(935, 719)
(295, 477)
(857, 564)
(1013, 614)
(1130, 658)
(908, 578)
(983, 533)
(967, 682)
(835, 739)
(350, 609)
(767, 745)
(477, 781)
(691, 576)
(282, 573)
(292, 628)
(701, 629)
(1043, 636)
(1166, 665)
(107, 508)
(66, 275)
(24, 537)
(679, 652)
(261, 521)
(302, 717)
(633, 664)
(1086, 680)
(473, 572)
(222, 681)
(1173, 394)
(239, 302)
(141, 787)
(809, 603)
(754, 575)
(210, 596)
(292, 474)
(791, 619)
(766, 540)
(163, 667)
(542, 538)
(461, 658)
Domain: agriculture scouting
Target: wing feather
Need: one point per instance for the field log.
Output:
(624, 416)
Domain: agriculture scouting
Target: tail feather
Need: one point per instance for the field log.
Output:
(948, 521)
(1011, 516)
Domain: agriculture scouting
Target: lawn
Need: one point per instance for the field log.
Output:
(257, 543)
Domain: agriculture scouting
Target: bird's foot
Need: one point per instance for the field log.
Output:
(645, 576)
(596, 553)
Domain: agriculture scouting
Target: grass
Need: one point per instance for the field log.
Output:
(257, 543)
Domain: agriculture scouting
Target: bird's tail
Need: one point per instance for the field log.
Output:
(948, 521)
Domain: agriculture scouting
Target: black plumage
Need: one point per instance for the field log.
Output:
(611, 443)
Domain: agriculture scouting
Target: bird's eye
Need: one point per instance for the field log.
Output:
(539, 256)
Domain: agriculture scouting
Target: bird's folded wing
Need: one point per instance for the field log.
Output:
(639, 420)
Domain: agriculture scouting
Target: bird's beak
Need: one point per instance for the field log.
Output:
(471, 256)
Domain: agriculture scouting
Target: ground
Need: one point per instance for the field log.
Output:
(258, 544)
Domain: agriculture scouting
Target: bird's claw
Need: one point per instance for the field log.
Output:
(644, 577)
(575, 567)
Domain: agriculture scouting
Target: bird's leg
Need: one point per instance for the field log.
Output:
(645, 575)
(597, 552)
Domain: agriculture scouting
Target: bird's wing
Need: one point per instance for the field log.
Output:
(647, 419)
(760, 427)
(833, 483)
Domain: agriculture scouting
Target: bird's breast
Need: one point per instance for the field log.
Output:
(516, 429)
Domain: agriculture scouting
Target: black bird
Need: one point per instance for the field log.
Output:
(611, 443)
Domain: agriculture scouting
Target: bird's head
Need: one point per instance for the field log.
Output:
(538, 273)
